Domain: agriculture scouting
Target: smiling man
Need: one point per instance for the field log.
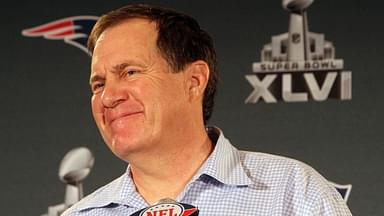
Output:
(149, 114)
(153, 80)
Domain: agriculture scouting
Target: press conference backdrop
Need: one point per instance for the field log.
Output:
(45, 97)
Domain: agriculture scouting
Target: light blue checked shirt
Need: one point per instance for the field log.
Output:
(233, 183)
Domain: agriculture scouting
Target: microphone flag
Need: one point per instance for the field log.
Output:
(168, 207)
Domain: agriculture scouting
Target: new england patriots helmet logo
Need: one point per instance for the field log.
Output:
(73, 30)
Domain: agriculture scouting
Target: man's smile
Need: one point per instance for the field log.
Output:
(112, 118)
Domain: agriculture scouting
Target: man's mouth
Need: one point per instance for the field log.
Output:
(122, 116)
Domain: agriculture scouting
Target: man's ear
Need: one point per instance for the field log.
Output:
(198, 76)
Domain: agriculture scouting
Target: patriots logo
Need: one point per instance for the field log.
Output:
(73, 30)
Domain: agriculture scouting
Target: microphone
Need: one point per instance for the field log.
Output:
(168, 207)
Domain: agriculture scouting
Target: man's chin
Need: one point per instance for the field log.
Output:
(124, 146)
(126, 124)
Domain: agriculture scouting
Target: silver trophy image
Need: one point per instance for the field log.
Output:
(298, 46)
(74, 168)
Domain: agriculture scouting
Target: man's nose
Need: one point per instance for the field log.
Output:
(113, 94)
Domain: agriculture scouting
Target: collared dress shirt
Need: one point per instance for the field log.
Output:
(231, 183)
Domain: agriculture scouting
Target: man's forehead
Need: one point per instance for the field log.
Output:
(134, 37)
(135, 26)
(132, 33)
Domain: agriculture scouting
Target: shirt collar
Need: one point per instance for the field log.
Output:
(225, 162)
(121, 191)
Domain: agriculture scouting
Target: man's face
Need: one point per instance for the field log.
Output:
(137, 101)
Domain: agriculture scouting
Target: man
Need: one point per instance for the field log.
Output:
(153, 80)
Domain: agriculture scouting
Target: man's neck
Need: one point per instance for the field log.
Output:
(166, 174)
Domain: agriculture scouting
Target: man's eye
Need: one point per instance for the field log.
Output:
(128, 73)
(131, 72)
(97, 87)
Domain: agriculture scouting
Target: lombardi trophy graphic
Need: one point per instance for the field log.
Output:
(74, 168)
(298, 45)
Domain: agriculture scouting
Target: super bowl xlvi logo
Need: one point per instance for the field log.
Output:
(299, 65)
(73, 30)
